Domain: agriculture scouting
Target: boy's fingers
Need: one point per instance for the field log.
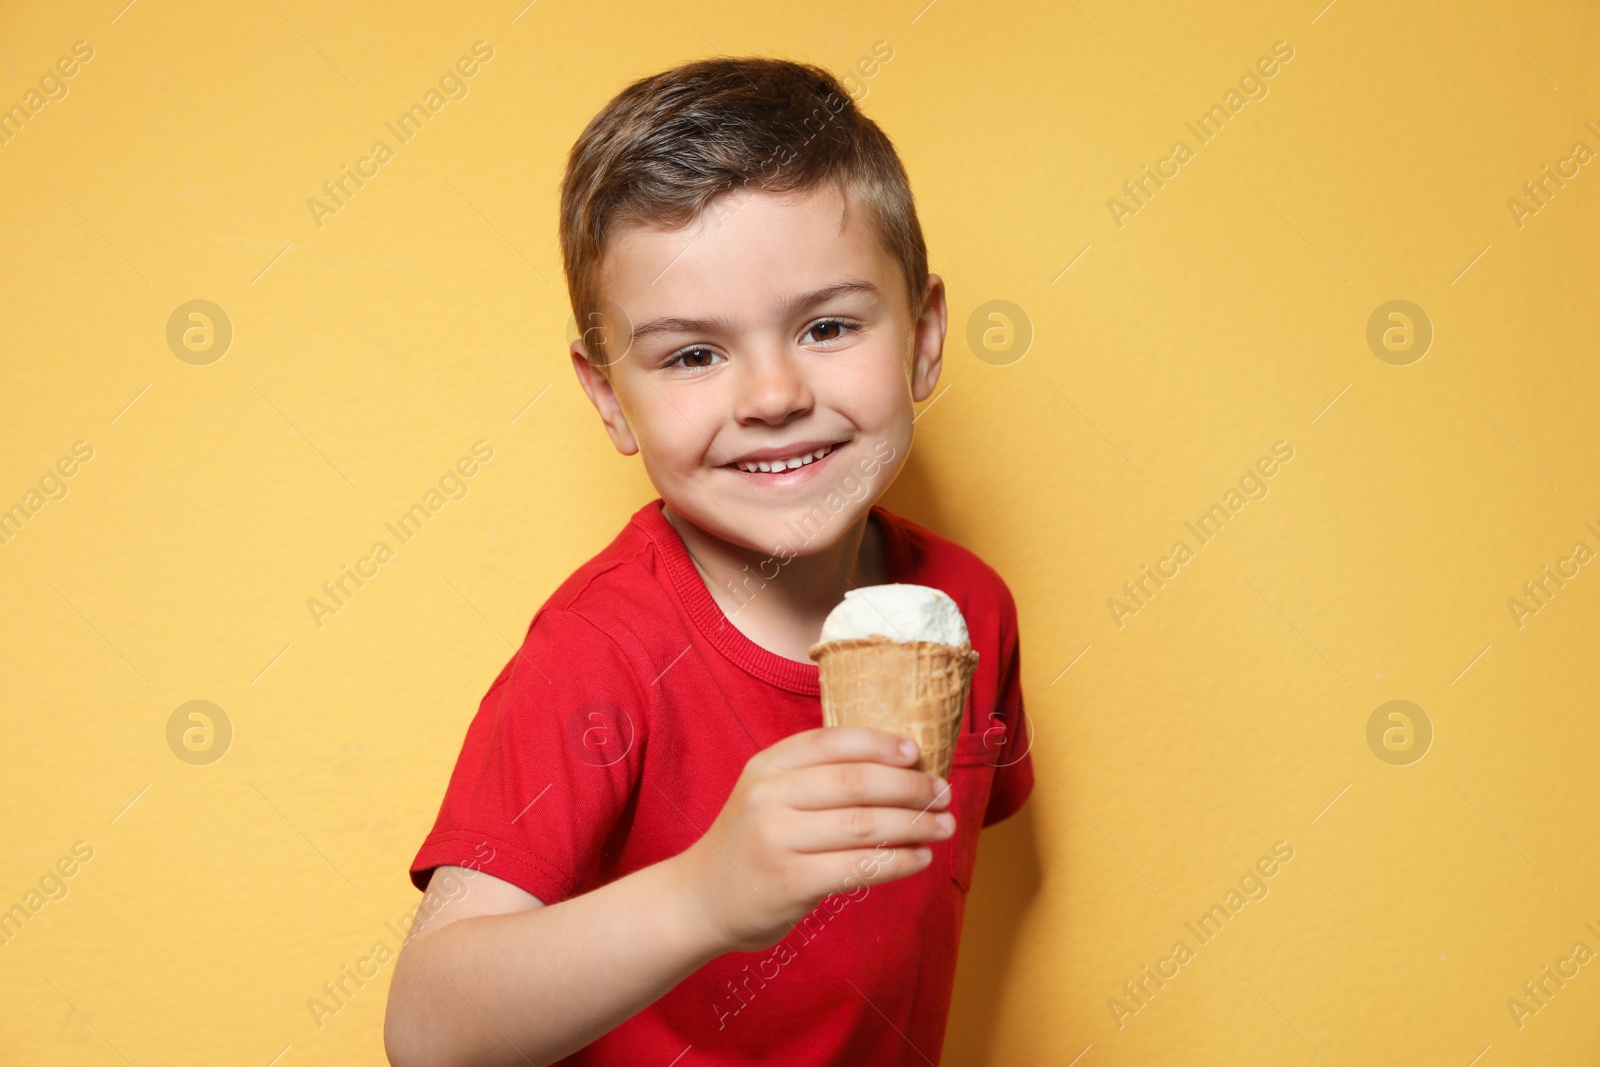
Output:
(834, 744)
(847, 828)
(860, 783)
(852, 868)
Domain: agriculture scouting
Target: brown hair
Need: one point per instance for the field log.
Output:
(668, 145)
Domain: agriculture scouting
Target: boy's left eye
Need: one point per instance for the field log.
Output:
(830, 329)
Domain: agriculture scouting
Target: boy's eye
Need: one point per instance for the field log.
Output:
(822, 331)
(829, 329)
(693, 359)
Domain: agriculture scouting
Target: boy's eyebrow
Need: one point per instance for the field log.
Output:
(790, 307)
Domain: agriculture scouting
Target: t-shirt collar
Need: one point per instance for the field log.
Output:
(714, 624)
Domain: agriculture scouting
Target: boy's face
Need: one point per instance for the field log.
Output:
(771, 325)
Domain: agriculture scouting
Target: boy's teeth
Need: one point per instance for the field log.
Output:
(782, 465)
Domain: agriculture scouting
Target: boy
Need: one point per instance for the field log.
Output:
(650, 850)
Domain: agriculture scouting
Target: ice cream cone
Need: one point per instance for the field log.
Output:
(915, 688)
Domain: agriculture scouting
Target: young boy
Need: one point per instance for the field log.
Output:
(651, 851)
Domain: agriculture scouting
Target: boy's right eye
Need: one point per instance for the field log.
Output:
(690, 359)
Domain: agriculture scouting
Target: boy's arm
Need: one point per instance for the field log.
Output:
(495, 977)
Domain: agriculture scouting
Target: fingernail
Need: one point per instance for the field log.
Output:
(946, 821)
(924, 854)
(939, 785)
(908, 748)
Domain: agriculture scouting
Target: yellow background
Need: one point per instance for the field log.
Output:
(1228, 714)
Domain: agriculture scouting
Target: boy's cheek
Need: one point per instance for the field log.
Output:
(869, 466)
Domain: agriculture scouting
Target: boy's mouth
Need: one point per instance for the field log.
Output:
(788, 465)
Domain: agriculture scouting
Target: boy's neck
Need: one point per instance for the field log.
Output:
(784, 613)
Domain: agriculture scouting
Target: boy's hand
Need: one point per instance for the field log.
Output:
(820, 812)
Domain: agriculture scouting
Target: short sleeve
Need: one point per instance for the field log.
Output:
(1013, 775)
(549, 764)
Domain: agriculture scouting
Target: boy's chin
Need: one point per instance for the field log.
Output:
(795, 527)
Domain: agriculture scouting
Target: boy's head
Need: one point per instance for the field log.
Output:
(743, 253)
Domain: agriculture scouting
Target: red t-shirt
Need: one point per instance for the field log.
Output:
(622, 724)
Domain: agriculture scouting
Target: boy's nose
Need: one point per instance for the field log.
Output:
(773, 388)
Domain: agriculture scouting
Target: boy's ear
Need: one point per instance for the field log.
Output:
(927, 354)
(598, 389)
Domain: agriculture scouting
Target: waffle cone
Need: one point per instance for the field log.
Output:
(915, 688)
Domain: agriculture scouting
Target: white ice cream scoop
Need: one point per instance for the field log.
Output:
(899, 612)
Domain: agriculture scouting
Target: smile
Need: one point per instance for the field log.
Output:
(783, 469)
